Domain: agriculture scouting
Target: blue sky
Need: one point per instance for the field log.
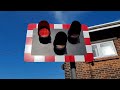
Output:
(13, 28)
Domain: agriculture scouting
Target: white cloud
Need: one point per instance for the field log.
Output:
(59, 16)
(67, 16)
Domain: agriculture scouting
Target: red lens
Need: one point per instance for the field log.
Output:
(44, 32)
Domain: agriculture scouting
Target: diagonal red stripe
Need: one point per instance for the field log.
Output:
(49, 58)
(29, 40)
(89, 57)
(28, 57)
(87, 41)
(51, 26)
(84, 27)
(31, 26)
(66, 26)
(69, 58)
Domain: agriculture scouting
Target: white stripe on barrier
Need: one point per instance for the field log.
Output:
(89, 49)
(28, 48)
(36, 25)
(29, 33)
(39, 58)
(60, 58)
(79, 58)
(58, 26)
(86, 34)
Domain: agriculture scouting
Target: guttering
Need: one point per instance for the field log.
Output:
(104, 26)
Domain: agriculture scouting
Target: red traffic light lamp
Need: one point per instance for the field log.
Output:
(44, 32)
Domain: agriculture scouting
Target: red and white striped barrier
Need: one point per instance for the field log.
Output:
(64, 58)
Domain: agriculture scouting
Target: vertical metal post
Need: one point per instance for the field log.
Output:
(73, 70)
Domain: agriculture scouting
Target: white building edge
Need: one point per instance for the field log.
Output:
(104, 26)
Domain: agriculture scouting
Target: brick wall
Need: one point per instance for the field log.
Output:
(104, 68)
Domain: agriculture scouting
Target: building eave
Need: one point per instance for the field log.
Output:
(104, 26)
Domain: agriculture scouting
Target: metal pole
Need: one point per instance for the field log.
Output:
(73, 70)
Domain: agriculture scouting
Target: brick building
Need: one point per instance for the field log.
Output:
(105, 39)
